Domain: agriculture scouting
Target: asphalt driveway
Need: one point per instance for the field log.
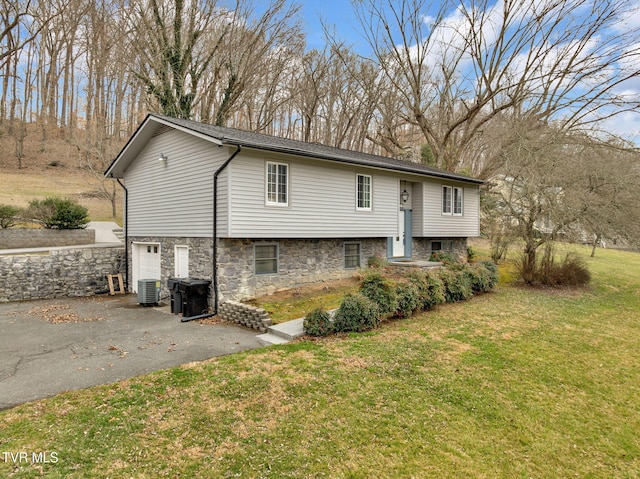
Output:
(51, 346)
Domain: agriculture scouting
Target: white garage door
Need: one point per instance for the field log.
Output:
(146, 263)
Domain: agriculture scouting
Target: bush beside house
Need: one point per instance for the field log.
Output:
(385, 293)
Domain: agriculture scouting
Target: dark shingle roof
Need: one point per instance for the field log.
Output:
(248, 139)
(260, 141)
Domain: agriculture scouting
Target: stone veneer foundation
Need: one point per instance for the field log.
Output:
(301, 261)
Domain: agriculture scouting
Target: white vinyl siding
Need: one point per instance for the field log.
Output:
(277, 187)
(437, 224)
(363, 192)
(175, 197)
(322, 195)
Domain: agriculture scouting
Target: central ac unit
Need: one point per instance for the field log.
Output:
(148, 291)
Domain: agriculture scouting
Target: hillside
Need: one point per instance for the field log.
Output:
(57, 171)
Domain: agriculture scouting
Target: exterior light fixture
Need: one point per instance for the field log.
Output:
(162, 158)
(404, 196)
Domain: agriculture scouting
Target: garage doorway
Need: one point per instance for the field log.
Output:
(146, 263)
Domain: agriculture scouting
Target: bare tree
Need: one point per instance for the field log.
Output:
(12, 15)
(251, 43)
(176, 42)
(458, 65)
(560, 185)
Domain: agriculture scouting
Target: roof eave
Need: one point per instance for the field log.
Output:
(307, 154)
(132, 148)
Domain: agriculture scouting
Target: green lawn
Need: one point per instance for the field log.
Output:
(298, 302)
(519, 383)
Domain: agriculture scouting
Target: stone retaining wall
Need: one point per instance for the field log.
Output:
(245, 314)
(58, 273)
(39, 238)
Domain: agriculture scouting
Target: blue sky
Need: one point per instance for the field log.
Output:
(339, 14)
(336, 13)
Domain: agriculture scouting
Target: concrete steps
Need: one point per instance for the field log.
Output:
(283, 333)
(119, 234)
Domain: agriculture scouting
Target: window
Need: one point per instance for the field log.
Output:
(457, 201)
(446, 200)
(277, 184)
(363, 192)
(444, 245)
(452, 200)
(266, 258)
(351, 255)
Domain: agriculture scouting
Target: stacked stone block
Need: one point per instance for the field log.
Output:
(17, 238)
(245, 314)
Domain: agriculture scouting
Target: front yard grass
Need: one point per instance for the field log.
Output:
(519, 383)
(296, 303)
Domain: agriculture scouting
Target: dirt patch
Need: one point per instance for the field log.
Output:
(307, 290)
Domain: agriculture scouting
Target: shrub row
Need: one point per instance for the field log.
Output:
(381, 296)
(52, 213)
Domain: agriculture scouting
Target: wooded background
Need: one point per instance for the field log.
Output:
(505, 90)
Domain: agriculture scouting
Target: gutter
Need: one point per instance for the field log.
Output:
(215, 241)
(215, 228)
(126, 235)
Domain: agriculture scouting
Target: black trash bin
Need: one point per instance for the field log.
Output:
(176, 295)
(195, 296)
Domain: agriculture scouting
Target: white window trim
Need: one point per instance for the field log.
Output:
(365, 208)
(277, 245)
(446, 188)
(344, 254)
(453, 202)
(266, 184)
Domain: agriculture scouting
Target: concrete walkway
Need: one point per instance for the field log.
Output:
(105, 231)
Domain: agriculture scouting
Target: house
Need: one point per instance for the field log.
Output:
(267, 213)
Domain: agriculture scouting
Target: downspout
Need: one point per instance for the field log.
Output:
(215, 241)
(126, 235)
(215, 228)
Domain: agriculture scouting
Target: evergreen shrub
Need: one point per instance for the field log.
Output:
(408, 299)
(318, 323)
(457, 284)
(8, 216)
(430, 289)
(356, 313)
(381, 290)
(59, 213)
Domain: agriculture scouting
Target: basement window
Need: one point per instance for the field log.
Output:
(351, 255)
(442, 245)
(266, 258)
